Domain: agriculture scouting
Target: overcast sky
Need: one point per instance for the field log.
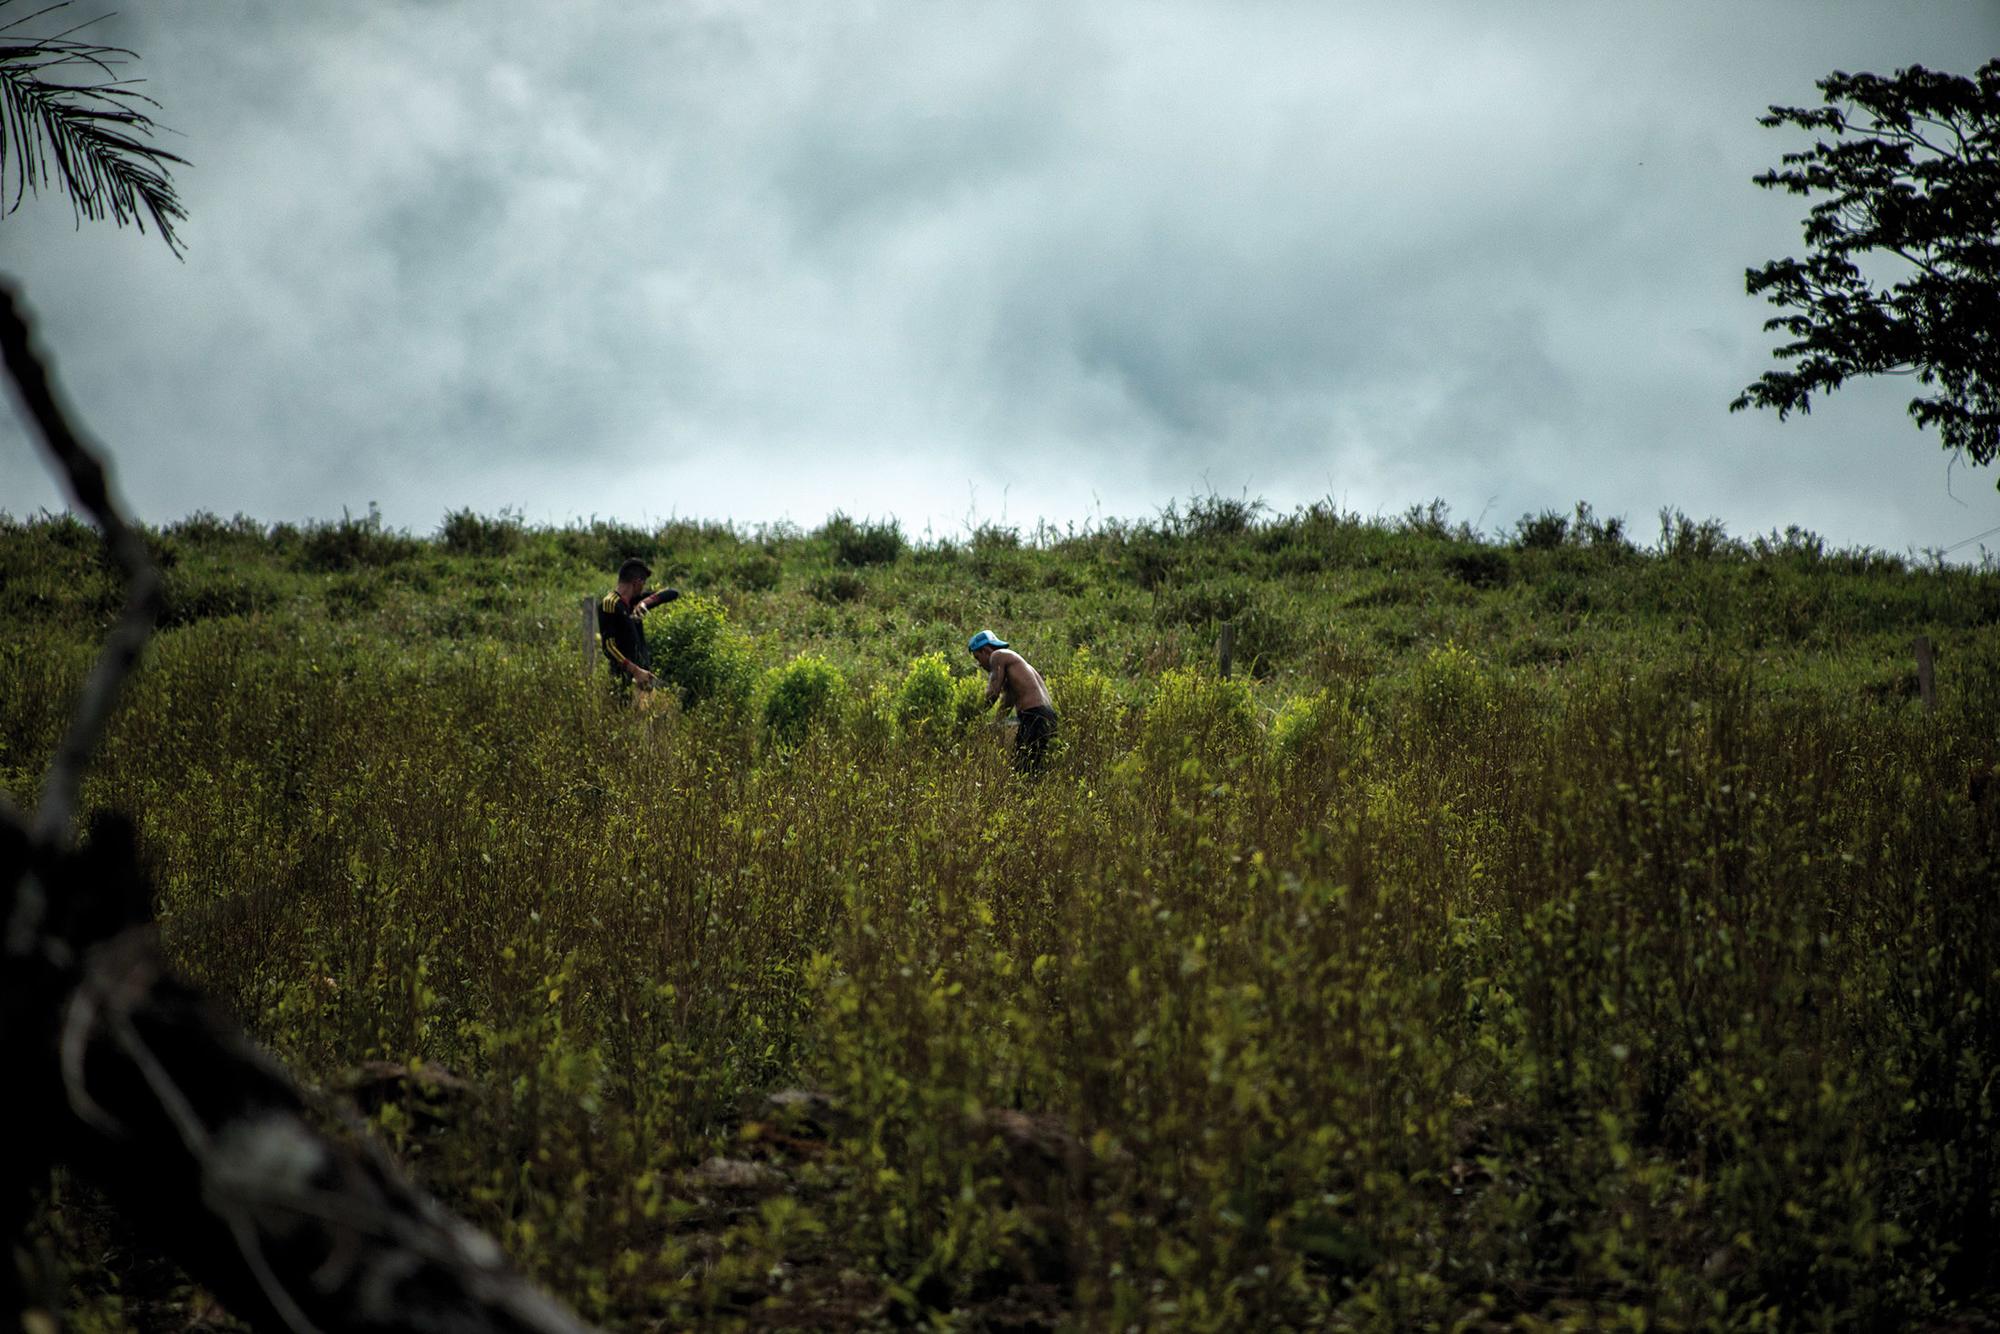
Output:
(999, 261)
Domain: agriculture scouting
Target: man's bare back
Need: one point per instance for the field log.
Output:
(1009, 677)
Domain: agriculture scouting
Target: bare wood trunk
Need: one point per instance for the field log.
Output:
(136, 1083)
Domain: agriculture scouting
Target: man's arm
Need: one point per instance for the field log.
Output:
(656, 598)
(996, 678)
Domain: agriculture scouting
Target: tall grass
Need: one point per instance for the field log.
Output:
(1423, 982)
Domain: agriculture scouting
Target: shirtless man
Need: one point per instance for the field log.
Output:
(1010, 679)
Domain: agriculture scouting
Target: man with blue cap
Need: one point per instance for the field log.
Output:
(1011, 680)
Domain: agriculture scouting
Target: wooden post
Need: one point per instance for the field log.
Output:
(587, 637)
(1228, 646)
(1926, 672)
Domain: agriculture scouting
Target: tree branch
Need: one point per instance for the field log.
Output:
(130, 1078)
(133, 1080)
(90, 489)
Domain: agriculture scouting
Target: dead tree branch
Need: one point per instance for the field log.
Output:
(89, 485)
(131, 1079)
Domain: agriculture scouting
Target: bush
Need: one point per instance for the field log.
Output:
(203, 529)
(1200, 718)
(968, 697)
(1149, 560)
(758, 573)
(1434, 521)
(1481, 567)
(603, 545)
(996, 537)
(995, 553)
(1541, 532)
(865, 543)
(1266, 633)
(1598, 534)
(1682, 539)
(1319, 734)
(202, 594)
(699, 652)
(354, 544)
(1214, 516)
(1093, 714)
(837, 586)
(927, 699)
(464, 533)
(805, 694)
(1454, 696)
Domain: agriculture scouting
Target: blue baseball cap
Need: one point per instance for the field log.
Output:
(985, 639)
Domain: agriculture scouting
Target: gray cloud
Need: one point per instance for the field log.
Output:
(755, 261)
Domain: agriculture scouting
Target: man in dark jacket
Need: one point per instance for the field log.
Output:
(621, 632)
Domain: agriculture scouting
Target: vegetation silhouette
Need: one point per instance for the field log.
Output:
(1911, 176)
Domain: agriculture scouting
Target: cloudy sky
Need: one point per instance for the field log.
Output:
(975, 262)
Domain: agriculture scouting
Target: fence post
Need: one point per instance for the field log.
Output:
(1228, 647)
(587, 636)
(1926, 672)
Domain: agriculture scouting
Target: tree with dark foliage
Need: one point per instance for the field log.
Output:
(1910, 171)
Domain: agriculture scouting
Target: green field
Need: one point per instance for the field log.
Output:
(1586, 929)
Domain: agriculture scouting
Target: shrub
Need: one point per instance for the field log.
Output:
(602, 544)
(837, 586)
(1197, 717)
(995, 554)
(1541, 532)
(699, 652)
(806, 693)
(927, 701)
(464, 533)
(1093, 714)
(1149, 559)
(1481, 567)
(354, 544)
(352, 595)
(865, 543)
(204, 529)
(1682, 539)
(1453, 694)
(759, 572)
(996, 537)
(1214, 516)
(204, 593)
(1434, 521)
(968, 696)
(1568, 592)
(1598, 534)
(1209, 517)
(1798, 547)
(1319, 733)
(1265, 634)
(1204, 603)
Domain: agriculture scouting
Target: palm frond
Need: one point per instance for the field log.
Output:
(67, 120)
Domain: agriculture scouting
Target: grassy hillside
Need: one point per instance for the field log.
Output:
(1557, 930)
